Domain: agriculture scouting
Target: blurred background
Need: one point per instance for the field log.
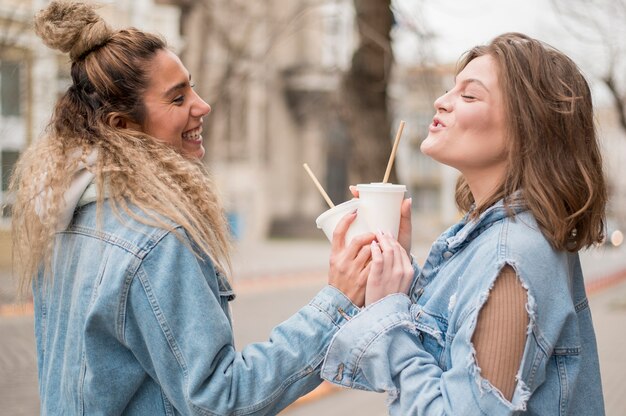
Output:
(324, 82)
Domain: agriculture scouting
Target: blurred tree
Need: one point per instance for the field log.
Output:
(601, 24)
(364, 93)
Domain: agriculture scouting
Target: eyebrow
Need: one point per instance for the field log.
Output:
(178, 86)
(475, 81)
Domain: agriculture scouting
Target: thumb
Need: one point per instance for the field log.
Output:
(341, 229)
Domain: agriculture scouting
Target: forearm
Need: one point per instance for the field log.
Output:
(266, 377)
(203, 373)
(380, 350)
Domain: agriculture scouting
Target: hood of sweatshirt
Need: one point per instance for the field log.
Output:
(75, 195)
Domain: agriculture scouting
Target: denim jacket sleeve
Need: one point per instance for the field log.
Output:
(175, 326)
(380, 350)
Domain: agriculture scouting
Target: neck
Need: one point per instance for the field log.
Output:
(483, 184)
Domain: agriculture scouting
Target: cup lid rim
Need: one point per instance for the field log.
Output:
(379, 186)
(330, 211)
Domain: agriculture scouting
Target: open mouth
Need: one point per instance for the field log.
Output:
(193, 135)
(437, 123)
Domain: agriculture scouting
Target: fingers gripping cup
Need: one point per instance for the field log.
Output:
(329, 219)
(380, 206)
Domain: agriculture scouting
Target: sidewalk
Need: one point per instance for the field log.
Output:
(608, 307)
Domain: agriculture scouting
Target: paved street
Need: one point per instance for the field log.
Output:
(18, 367)
(273, 281)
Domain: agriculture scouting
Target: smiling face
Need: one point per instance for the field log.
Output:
(173, 110)
(468, 131)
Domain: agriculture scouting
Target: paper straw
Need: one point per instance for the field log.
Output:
(319, 186)
(393, 151)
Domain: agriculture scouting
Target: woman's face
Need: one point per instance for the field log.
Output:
(173, 109)
(468, 130)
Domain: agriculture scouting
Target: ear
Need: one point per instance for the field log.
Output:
(119, 122)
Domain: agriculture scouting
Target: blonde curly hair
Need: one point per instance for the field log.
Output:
(109, 77)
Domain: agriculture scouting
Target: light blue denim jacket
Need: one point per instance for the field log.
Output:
(133, 323)
(418, 348)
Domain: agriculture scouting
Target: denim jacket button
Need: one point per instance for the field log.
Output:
(447, 255)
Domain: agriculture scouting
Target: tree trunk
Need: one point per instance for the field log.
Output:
(619, 100)
(364, 94)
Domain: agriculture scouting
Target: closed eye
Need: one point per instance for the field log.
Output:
(181, 98)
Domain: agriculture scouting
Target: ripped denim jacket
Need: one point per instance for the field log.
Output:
(418, 348)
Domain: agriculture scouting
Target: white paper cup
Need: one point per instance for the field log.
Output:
(380, 206)
(329, 219)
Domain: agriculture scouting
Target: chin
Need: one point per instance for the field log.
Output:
(196, 154)
(437, 156)
(427, 146)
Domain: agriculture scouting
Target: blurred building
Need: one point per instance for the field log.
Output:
(19, 99)
(271, 71)
(16, 66)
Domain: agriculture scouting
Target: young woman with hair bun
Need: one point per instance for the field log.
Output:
(120, 233)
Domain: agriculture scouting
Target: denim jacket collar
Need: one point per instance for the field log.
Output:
(467, 229)
(462, 233)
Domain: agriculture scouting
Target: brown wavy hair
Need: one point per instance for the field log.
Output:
(554, 156)
(109, 77)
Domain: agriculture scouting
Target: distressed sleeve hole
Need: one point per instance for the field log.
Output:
(501, 332)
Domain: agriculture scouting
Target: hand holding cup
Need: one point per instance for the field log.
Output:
(349, 261)
(390, 270)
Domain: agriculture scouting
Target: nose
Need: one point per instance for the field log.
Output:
(443, 102)
(200, 107)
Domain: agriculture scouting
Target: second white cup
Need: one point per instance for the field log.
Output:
(329, 219)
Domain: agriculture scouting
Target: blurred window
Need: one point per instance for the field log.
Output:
(10, 88)
(9, 158)
(337, 34)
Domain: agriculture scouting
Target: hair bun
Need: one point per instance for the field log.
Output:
(71, 27)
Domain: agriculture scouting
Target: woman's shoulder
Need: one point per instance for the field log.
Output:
(534, 258)
(130, 227)
(521, 234)
(518, 241)
(515, 233)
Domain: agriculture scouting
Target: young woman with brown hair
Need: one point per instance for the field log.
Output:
(119, 230)
(497, 321)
